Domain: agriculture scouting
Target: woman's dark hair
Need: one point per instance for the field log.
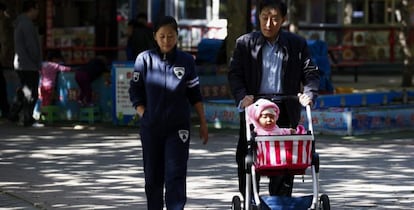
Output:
(166, 20)
(277, 4)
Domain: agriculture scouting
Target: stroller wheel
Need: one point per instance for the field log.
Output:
(236, 203)
(324, 202)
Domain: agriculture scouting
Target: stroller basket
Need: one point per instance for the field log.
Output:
(291, 154)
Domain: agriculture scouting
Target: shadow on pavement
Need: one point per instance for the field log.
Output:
(100, 167)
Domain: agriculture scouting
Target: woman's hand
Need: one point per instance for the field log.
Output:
(203, 131)
(140, 110)
(203, 122)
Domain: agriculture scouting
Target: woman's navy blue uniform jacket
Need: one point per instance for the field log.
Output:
(167, 85)
(298, 71)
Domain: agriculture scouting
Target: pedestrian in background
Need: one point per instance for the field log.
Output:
(163, 87)
(50, 68)
(140, 36)
(320, 57)
(85, 75)
(6, 56)
(130, 52)
(27, 63)
(271, 61)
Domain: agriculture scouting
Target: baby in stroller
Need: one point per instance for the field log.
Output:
(263, 114)
(277, 151)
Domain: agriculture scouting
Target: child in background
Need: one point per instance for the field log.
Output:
(50, 68)
(263, 114)
(85, 75)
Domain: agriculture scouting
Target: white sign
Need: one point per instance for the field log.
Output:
(123, 104)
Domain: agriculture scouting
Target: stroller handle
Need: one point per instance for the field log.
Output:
(309, 116)
(276, 97)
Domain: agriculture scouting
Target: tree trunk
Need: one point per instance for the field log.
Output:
(236, 23)
(293, 21)
(403, 17)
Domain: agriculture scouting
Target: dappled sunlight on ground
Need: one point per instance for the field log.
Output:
(85, 170)
(368, 175)
(101, 168)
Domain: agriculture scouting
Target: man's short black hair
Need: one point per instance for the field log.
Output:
(277, 4)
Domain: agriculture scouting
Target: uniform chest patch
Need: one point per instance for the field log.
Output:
(135, 77)
(183, 134)
(179, 72)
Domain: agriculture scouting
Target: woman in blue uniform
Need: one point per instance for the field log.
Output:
(162, 90)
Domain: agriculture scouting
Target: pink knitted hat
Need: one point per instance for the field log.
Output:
(254, 110)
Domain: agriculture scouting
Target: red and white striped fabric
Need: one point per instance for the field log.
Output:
(286, 154)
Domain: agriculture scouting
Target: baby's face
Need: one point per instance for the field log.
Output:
(267, 120)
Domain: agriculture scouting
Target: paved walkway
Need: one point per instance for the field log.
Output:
(10, 201)
(100, 167)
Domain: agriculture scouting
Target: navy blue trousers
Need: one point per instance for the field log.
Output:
(165, 157)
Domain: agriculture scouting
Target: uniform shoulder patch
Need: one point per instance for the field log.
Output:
(135, 77)
(184, 135)
(179, 72)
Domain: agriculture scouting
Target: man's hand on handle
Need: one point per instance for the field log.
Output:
(247, 101)
(305, 99)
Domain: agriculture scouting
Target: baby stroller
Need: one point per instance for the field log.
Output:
(276, 155)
